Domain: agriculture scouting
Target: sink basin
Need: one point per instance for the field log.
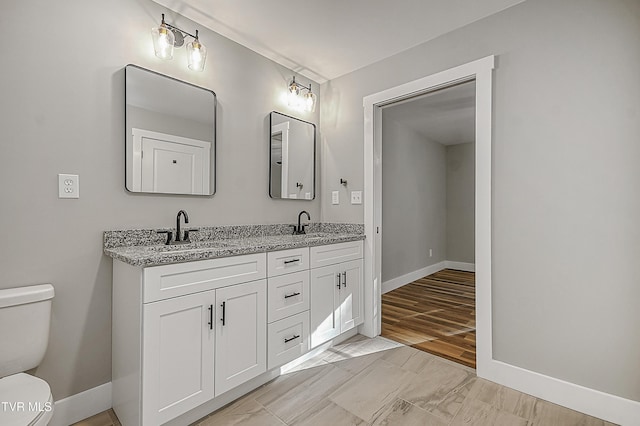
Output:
(194, 246)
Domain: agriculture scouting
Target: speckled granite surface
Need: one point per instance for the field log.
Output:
(145, 247)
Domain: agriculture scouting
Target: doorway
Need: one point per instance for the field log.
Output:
(480, 71)
(428, 218)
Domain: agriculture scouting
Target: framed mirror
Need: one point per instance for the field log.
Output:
(170, 135)
(293, 158)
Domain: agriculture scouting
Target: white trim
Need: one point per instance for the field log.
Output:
(460, 266)
(481, 70)
(405, 279)
(595, 403)
(81, 405)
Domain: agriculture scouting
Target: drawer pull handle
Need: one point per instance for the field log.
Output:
(344, 278)
(224, 313)
(286, 262)
(210, 317)
(338, 276)
(286, 296)
(291, 338)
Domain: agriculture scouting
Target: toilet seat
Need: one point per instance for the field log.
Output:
(25, 400)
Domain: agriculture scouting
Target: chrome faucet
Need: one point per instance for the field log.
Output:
(298, 230)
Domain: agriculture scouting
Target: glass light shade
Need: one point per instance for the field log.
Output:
(197, 55)
(294, 96)
(163, 39)
(310, 102)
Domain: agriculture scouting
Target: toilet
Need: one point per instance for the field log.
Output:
(25, 314)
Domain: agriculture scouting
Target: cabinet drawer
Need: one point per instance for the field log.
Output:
(336, 253)
(287, 295)
(166, 281)
(287, 261)
(288, 339)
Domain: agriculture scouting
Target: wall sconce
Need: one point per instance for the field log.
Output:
(301, 101)
(167, 36)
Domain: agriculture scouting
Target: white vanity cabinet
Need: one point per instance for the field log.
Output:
(178, 356)
(336, 290)
(288, 305)
(241, 340)
(185, 333)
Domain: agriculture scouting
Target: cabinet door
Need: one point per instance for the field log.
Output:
(350, 295)
(241, 330)
(178, 348)
(325, 309)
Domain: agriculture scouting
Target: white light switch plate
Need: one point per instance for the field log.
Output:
(335, 197)
(68, 186)
(356, 197)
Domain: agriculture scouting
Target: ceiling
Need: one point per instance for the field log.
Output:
(445, 116)
(324, 39)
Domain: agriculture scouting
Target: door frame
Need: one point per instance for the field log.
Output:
(481, 71)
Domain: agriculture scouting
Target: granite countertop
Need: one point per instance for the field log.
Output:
(143, 248)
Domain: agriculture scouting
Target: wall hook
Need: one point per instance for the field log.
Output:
(343, 182)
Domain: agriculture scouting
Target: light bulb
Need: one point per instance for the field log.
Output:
(310, 102)
(197, 55)
(163, 39)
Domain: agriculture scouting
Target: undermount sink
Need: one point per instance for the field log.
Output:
(196, 245)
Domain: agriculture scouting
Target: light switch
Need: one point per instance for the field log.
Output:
(335, 197)
(68, 186)
(356, 197)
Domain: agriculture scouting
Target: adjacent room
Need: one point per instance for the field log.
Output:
(428, 222)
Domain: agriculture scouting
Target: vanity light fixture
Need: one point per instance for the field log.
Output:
(167, 36)
(301, 101)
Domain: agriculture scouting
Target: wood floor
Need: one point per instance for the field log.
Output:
(376, 382)
(435, 314)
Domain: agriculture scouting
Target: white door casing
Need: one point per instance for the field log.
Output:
(481, 71)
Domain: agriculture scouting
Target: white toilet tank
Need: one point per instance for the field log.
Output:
(25, 314)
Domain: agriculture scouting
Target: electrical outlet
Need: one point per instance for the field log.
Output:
(356, 197)
(68, 186)
(335, 197)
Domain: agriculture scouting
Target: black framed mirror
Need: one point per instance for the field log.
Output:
(170, 135)
(292, 158)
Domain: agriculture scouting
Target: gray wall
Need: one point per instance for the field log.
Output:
(414, 207)
(62, 111)
(566, 234)
(461, 203)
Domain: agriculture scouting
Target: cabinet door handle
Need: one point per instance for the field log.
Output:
(338, 276)
(286, 262)
(291, 338)
(210, 317)
(344, 278)
(286, 296)
(224, 313)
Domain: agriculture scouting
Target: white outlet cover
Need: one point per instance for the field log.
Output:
(335, 197)
(356, 197)
(68, 186)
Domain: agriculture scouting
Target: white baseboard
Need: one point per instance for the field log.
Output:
(81, 405)
(595, 403)
(405, 279)
(460, 266)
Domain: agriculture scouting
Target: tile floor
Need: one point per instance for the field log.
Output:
(379, 382)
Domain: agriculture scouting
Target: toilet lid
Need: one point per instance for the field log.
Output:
(23, 398)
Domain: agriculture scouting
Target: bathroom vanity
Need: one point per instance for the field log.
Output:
(191, 325)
